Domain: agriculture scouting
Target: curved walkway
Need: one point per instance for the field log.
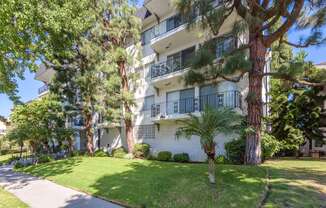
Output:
(39, 193)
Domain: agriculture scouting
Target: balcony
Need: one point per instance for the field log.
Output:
(44, 74)
(172, 32)
(179, 109)
(43, 90)
(169, 71)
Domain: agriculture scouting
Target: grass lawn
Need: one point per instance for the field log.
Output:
(297, 183)
(5, 158)
(8, 200)
(157, 184)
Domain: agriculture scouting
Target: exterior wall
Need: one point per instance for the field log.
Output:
(3, 128)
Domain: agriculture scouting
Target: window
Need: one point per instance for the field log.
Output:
(147, 36)
(148, 102)
(186, 56)
(173, 22)
(224, 46)
(186, 104)
(208, 96)
(319, 143)
(145, 131)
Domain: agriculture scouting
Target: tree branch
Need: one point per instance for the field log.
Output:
(289, 78)
(268, 40)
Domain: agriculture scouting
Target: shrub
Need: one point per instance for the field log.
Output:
(119, 152)
(12, 159)
(182, 157)
(235, 150)
(270, 146)
(221, 159)
(164, 156)
(100, 153)
(18, 165)
(141, 150)
(44, 159)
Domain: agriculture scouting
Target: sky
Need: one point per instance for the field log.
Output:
(28, 88)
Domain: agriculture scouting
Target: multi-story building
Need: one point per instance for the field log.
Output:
(161, 95)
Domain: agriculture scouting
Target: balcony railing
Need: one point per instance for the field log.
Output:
(169, 66)
(43, 89)
(229, 99)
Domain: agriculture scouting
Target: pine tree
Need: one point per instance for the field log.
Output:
(114, 38)
(96, 80)
(257, 18)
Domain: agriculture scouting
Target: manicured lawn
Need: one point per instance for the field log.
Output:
(5, 158)
(297, 183)
(8, 200)
(157, 184)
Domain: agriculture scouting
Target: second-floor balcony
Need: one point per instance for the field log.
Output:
(178, 109)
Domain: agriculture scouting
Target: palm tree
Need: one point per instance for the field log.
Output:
(207, 126)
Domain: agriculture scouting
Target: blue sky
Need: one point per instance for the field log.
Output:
(28, 88)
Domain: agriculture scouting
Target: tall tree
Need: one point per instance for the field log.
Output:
(115, 37)
(211, 123)
(96, 81)
(296, 109)
(257, 19)
(32, 30)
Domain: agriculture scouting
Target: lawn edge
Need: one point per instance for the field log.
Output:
(120, 203)
(266, 191)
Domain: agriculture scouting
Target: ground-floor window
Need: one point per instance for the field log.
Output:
(145, 132)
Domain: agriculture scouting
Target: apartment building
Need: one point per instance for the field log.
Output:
(161, 95)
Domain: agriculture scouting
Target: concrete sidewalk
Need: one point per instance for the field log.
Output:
(39, 193)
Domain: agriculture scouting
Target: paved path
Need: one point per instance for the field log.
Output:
(39, 193)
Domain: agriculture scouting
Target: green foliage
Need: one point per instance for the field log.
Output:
(141, 150)
(182, 157)
(100, 153)
(119, 152)
(235, 150)
(164, 156)
(28, 35)
(208, 125)
(18, 165)
(270, 145)
(221, 159)
(296, 109)
(44, 159)
(36, 122)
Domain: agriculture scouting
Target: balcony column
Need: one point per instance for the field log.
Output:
(197, 94)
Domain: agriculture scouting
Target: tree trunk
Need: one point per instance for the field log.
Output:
(254, 100)
(21, 151)
(89, 134)
(211, 170)
(126, 107)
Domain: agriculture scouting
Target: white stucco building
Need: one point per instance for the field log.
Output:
(161, 94)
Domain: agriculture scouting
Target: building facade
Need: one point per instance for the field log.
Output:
(161, 95)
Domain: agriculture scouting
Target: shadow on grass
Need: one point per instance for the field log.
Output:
(53, 168)
(297, 186)
(159, 184)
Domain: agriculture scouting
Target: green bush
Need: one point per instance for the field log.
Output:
(100, 153)
(164, 156)
(141, 150)
(18, 165)
(270, 146)
(182, 157)
(235, 150)
(221, 159)
(44, 159)
(119, 152)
